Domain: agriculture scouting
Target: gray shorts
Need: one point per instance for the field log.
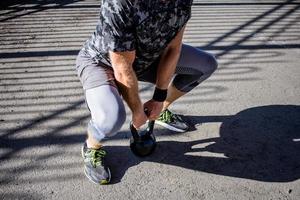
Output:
(91, 73)
(194, 66)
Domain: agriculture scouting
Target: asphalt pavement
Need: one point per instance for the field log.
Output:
(244, 141)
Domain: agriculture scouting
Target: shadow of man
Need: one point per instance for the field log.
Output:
(260, 143)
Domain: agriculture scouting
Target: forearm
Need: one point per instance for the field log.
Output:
(126, 79)
(168, 61)
(166, 67)
(165, 71)
(128, 86)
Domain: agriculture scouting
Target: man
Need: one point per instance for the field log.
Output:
(136, 40)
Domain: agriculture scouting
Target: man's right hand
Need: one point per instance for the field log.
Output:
(139, 118)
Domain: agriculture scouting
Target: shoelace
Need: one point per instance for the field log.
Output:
(168, 116)
(96, 156)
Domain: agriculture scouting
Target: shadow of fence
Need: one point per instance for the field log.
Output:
(41, 103)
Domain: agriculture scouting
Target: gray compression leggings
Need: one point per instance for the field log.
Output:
(107, 108)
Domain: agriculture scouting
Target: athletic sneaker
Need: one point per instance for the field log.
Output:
(94, 165)
(172, 121)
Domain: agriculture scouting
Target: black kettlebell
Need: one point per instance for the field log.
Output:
(142, 142)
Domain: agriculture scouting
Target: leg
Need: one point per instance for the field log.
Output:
(107, 111)
(194, 66)
(107, 115)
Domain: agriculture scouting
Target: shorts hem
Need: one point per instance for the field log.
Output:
(97, 84)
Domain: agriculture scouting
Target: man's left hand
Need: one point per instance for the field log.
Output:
(153, 109)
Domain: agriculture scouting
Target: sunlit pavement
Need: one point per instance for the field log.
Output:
(244, 141)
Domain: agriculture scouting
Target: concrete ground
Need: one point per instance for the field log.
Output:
(244, 141)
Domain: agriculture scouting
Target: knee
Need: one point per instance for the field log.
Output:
(111, 121)
(212, 64)
(108, 123)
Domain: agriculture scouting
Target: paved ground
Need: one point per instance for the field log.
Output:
(245, 143)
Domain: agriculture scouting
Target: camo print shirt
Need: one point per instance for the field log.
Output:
(146, 26)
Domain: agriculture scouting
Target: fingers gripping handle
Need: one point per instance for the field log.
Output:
(149, 130)
(137, 134)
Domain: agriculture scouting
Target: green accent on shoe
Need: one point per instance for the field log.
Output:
(104, 182)
(166, 116)
(94, 165)
(94, 156)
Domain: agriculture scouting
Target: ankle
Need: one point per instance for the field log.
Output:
(165, 106)
(91, 144)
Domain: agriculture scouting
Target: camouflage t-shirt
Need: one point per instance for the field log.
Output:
(146, 26)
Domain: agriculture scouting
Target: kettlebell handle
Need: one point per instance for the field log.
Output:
(150, 123)
(135, 133)
(149, 129)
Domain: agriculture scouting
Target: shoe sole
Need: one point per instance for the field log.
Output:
(102, 182)
(169, 127)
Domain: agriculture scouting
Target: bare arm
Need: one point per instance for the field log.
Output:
(165, 71)
(168, 61)
(128, 84)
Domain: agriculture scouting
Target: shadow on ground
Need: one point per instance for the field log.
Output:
(260, 143)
